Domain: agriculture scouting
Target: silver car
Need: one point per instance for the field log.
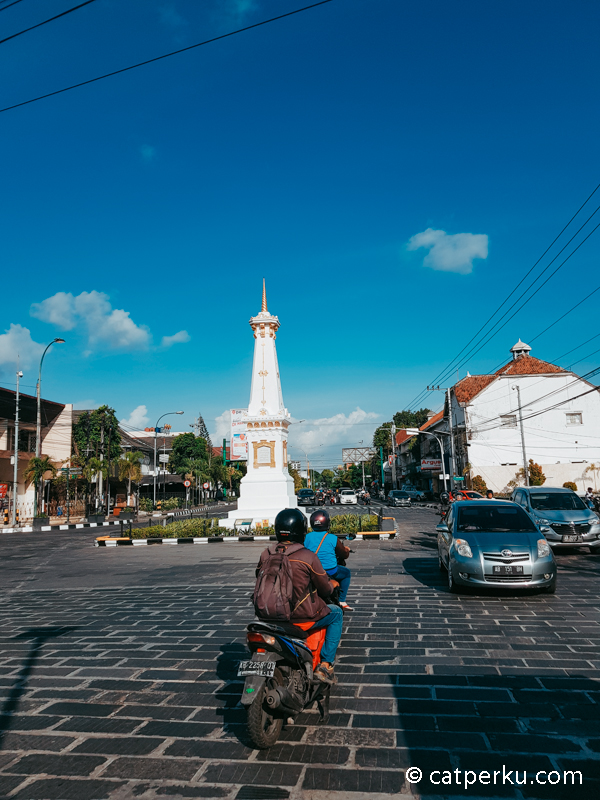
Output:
(494, 544)
(398, 498)
(569, 521)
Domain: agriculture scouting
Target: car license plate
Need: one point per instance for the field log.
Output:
(265, 669)
(572, 538)
(516, 570)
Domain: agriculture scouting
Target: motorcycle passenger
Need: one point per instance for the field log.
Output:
(312, 587)
(329, 548)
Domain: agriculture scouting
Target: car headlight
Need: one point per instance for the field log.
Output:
(543, 548)
(463, 548)
(544, 521)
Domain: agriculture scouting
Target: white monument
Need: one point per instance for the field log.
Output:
(267, 487)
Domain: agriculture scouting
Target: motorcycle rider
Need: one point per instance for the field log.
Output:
(312, 587)
(329, 549)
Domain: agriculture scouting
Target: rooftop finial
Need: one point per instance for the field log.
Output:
(264, 297)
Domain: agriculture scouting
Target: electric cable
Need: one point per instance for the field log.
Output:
(14, 3)
(165, 55)
(451, 363)
(46, 21)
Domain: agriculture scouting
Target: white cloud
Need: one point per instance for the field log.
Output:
(138, 418)
(450, 252)
(16, 343)
(222, 428)
(148, 152)
(340, 429)
(106, 326)
(58, 310)
(177, 338)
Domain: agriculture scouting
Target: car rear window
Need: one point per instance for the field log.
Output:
(556, 501)
(493, 518)
(347, 491)
(305, 493)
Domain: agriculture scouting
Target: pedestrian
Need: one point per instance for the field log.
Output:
(589, 495)
(489, 495)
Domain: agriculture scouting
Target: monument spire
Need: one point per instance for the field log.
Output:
(264, 297)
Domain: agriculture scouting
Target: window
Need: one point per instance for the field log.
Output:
(575, 418)
(508, 420)
(556, 501)
(494, 519)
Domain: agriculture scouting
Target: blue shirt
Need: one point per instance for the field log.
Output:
(326, 554)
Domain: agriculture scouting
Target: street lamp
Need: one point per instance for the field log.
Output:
(38, 427)
(417, 432)
(16, 456)
(155, 438)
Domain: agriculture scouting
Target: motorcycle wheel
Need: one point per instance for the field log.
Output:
(263, 727)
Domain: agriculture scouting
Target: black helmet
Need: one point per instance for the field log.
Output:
(290, 525)
(319, 520)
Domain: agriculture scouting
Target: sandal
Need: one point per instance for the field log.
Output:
(345, 607)
(325, 674)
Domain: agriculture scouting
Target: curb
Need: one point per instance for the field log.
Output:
(109, 541)
(70, 527)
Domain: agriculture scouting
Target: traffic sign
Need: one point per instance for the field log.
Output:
(206, 485)
(187, 484)
(457, 478)
(163, 458)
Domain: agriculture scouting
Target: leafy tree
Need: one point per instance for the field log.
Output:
(536, 476)
(328, 476)
(593, 469)
(383, 438)
(130, 469)
(88, 432)
(570, 485)
(411, 419)
(297, 479)
(186, 448)
(203, 432)
(35, 470)
(478, 484)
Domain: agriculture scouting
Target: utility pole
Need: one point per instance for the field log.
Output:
(525, 463)
(393, 431)
(381, 459)
(453, 454)
(100, 485)
(16, 456)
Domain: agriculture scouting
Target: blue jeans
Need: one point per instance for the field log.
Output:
(333, 622)
(341, 574)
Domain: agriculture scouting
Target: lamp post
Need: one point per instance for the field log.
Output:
(155, 438)
(525, 464)
(38, 427)
(417, 432)
(16, 456)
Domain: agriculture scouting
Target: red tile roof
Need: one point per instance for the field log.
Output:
(469, 387)
(436, 418)
(466, 389)
(402, 436)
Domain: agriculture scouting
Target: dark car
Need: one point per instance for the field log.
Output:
(494, 544)
(569, 521)
(306, 497)
(398, 498)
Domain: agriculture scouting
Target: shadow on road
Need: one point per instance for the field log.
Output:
(38, 636)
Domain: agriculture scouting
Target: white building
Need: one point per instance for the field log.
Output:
(561, 422)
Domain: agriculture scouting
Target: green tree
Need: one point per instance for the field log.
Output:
(411, 419)
(296, 478)
(328, 476)
(35, 470)
(97, 432)
(570, 485)
(383, 438)
(478, 484)
(186, 448)
(130, 469)
(536, 476)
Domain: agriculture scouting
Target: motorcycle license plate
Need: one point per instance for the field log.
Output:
(265, 669)
(508, 570)
(572, 538)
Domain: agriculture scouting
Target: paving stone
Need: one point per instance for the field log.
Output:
(60, 789)
(15, 741)
(98, 725)
(9, 782)
(155, 712)
(217, 749)
(178, 730)
(440, 741)
(262, 793)
(404, 722)
(153, 768)
(124, 745)
(351, 736)
(339, 780)
(305, 754)
(56, 765)
(531, 743)
(262, 774)
(81, 709)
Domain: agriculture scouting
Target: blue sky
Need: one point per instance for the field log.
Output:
(338, 153)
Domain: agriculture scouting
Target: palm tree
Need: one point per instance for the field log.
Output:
(130, 470)
(36, 468)
(593, 469)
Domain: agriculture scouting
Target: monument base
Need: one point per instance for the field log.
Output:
(261, 500)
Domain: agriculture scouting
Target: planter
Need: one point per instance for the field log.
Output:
(38, 522)
(126, 515)
(98, 518)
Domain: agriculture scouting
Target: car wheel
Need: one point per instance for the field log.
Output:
(441, 565)
(452, 587)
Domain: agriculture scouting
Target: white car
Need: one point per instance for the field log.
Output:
(348, 496)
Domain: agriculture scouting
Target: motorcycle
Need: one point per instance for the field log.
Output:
(279, 677)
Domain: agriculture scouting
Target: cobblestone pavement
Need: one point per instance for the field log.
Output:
(117, 678)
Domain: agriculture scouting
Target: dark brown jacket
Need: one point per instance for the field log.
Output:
(312, 586)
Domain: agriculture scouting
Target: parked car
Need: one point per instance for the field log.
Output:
(569, 521)
(398, 498)
(470, 495)
(414, 494)
(348, 496)
(306, 497)
(494, 544)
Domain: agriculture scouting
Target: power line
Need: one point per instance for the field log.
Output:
(451, 364)
(14, 3)
(165, 55)
(46, 21)
(566, 314)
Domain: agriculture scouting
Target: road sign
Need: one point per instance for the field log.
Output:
(206, 485)
(391, 460)
(352, 455)
(187, 484)
(163, 458)
(458, 479)
(71, 470)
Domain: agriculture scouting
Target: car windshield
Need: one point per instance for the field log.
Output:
(398, 494)
(305, 492)
(498, 519)
(556, 501)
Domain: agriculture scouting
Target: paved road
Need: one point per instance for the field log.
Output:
(117, 669)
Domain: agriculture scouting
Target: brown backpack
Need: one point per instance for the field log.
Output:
(273, 593)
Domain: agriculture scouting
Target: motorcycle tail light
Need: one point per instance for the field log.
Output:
(259, 638)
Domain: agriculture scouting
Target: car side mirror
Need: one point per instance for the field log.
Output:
(442, 527)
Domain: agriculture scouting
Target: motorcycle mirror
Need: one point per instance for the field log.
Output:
(351, 536)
